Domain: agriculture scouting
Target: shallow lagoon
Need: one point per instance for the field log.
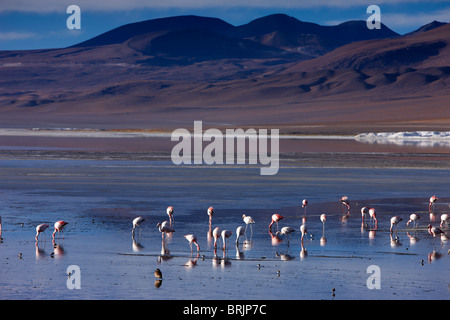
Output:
(99, 199)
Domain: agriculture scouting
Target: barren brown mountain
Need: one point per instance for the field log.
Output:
(168, 77)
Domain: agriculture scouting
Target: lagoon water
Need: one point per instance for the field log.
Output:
(100, 198)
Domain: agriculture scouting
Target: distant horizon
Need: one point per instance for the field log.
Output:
(26, 26)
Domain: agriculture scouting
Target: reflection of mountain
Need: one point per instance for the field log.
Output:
(172, 71)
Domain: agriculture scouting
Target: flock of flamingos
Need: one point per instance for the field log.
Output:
(166, 227)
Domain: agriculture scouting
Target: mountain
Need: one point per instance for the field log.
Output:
(126, 32)
(429, 26)
(277, 71)
(288, 33)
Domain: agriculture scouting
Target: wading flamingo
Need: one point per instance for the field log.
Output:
(248, 221)
(169, 211)
(41, 228)
(394, 222)
(433, 199)
(413, 218)
(364, 212)
(304, 204)
(239, 233)
(275, 218)
(192, 240)
(286, 231)
(434, 231)
(164, 228)
(323, 218)
(59, 226)
(210, 213)
(225, 235)
(137, 223)
(303, 230)
(373, 215)
(216, 236)
(345, 201)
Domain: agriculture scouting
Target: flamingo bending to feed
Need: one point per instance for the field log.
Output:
(394, 222)
(41, 228)
(137, 223)
(225, 235)
(373, 215)
(275, 218)
(364, 212)
(192, 240)
(59, 226)
(345, 201)
(434, 231)
(216, 236)
(413, 218)
(239, 233)
(303, 230)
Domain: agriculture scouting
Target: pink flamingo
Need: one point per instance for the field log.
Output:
(137, 223)
(345, 201)
(248, 221)
(413, 218)
(433, 199)
(164, 228)
(434, 231)
(216, 236)
(239, 233)
(373, 215)
(444, 220)
(323, 218)
(59, 226)
(286, 231)
(192, 240)
(364, 212)
(303, 230)
(275, 218)
(40, 228)
(394, 221)
(169, 211)
(210, 213)
(225, 235)
(304, 204)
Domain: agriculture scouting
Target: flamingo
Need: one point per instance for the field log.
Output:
(59, 226)
(323, 218)
(304, 204)
(164, 228)
(444, 220)
(373, 215)
(413, 217)
(394, 221)
(345, 201)
(248, 221)
(275, 218)
(216, 235)
(210, 213)
(169, 211)
(137, 223)
(433, 199)
(434, 231)
(239, 233)
(364, 212)
(41, 228)
(287, 231)
(303, 230)
(192, 240)
(225, 235)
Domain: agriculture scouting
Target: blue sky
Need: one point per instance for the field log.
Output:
(40, 24)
